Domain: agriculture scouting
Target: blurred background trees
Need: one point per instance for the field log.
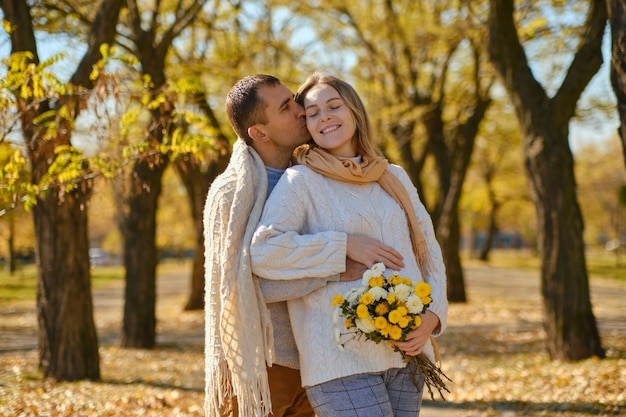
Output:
(113, 128)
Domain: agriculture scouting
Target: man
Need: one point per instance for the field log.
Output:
(250, 353)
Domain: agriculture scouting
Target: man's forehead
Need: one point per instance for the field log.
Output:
(275, 95)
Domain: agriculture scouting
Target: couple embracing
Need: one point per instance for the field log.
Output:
(306, 205)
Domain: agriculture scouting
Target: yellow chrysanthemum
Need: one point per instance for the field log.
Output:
(382, 309)
(377, 282)
(402, 310)
(337, 299)
(407, 282)
(391, 298)
(395, 280)
(395, 333)
(395, 316)
(404, 322)
(417, 321)
(427, 300)
(380, 322)
(366, 298)
(349, 323)
(361, 311)
(422, 289)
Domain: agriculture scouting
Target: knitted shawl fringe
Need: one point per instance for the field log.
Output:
(239, 338)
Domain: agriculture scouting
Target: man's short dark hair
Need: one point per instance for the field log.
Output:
(243, 105)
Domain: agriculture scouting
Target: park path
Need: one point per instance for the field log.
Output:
(18, 324)
(608, 297)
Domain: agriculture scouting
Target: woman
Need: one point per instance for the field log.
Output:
(342, 185)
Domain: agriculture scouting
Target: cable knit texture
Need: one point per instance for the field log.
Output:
(303, 231)
(238, 329)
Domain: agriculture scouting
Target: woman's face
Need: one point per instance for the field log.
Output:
(330, 121)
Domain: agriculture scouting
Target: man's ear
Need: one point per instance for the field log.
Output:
(257, 133)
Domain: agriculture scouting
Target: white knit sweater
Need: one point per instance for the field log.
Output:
(303, 233)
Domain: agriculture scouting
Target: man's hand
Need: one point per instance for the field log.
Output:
(369, 251)
(354, 271)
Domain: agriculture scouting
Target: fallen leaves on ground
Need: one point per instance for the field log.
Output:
(493, 350)
(167, 381)
(499, 366)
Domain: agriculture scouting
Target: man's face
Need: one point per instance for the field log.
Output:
(286, 126)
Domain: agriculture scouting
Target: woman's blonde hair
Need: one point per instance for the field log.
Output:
(365, 144)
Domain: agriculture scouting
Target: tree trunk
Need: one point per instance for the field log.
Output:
(491, 235)
(11, 265)
(445, 216)
(569, 321)
(140, 250)
(617, 21)
(140, 254)
(493, 228)
(403, 136)
(197, 180)
(450, 247)
(452, 164)
(68, 343)
(570, 324)
(197, 185)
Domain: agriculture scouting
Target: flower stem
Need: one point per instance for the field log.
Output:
(433, 375)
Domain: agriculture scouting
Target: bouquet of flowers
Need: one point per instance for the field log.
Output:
(388, 309)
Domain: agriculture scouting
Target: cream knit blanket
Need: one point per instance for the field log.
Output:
(238, 336)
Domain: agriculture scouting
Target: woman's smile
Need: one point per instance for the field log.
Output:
(330, 129)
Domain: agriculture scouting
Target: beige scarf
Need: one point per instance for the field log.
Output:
(372, 169)
(239, 340)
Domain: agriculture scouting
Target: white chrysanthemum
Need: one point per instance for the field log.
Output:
(378, 269)
(367, 275)
(337, 335)
(402, 291)
(336, 313)
(354, 294)
(378, 293)
(365, 325)
(414, 304)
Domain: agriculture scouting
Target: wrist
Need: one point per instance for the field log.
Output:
(431, 320)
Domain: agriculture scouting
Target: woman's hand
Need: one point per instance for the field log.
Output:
(416, 339)
(369, 251)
